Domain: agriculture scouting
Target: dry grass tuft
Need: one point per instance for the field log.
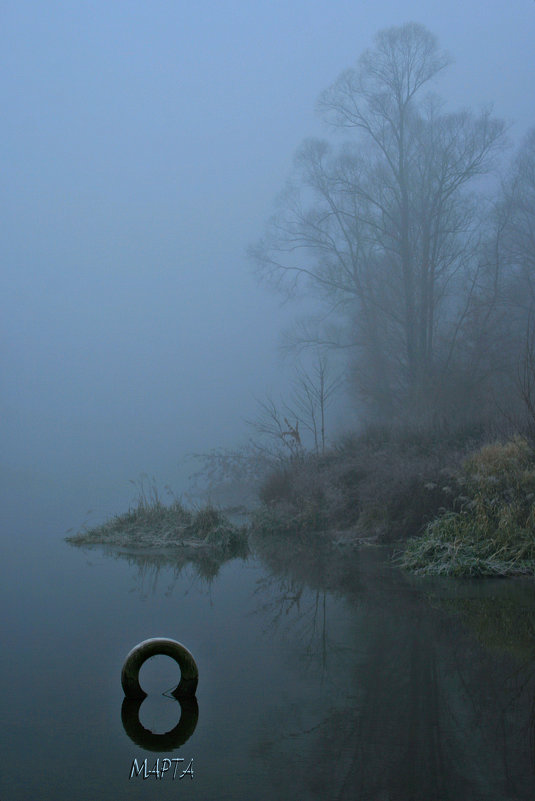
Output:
(493, 532)
(153, 524)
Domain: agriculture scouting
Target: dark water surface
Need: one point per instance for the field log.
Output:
(317, 681)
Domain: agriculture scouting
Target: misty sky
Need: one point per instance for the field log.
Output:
(143, 145)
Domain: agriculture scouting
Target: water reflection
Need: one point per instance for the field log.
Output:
(383, 686)
(168, 741)
(430, 711)
(170, 568)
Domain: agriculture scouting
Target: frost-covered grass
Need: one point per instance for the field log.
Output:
(151, 523)
(473, 518)
(493, 532)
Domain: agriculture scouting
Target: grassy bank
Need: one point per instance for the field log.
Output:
(382, 485)
(153, 524)
(460, 505)
(457, 504)
(492, 530)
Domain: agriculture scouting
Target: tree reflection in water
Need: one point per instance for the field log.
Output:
(393, 688)
(434, 711)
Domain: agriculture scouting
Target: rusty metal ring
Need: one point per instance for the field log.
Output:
(189, 674)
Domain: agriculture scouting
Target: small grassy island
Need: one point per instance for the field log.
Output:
(451, 506)
(154, 525)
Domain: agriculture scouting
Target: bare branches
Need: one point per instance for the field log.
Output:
(283, 424)
(314, 390)
(382, 229)
(385, 81)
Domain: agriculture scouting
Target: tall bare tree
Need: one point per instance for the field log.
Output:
(516, 219)
(509, 296)
(383, 228)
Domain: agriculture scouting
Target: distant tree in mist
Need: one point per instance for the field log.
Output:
(509, 295)
(516, 222)
(385, 229)
(289, 427)
(314, 391)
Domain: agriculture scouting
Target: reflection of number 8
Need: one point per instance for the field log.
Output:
(189, 714)
(184, 692)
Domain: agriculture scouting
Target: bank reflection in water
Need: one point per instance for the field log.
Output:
(393, 688)
(168, 741)
(432, 710)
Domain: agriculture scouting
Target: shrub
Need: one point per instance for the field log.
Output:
(388, 482)
(277, 487)
(494, 531)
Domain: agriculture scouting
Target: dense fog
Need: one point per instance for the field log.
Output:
(143, 147)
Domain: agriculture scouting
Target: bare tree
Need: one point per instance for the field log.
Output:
(284, 424)
(506, 295)
(382, 228)
(314, 391)
(516, 218)
(272, 423)
(526, 379)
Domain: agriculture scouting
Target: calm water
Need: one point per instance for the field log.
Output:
(316, 681)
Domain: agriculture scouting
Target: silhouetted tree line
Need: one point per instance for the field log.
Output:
(424, 267)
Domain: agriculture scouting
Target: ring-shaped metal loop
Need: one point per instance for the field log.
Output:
(189, 674)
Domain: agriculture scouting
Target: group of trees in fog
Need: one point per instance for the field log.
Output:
(422, 261)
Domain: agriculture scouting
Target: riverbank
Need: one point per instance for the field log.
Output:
(491, 529)
(452, 504)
